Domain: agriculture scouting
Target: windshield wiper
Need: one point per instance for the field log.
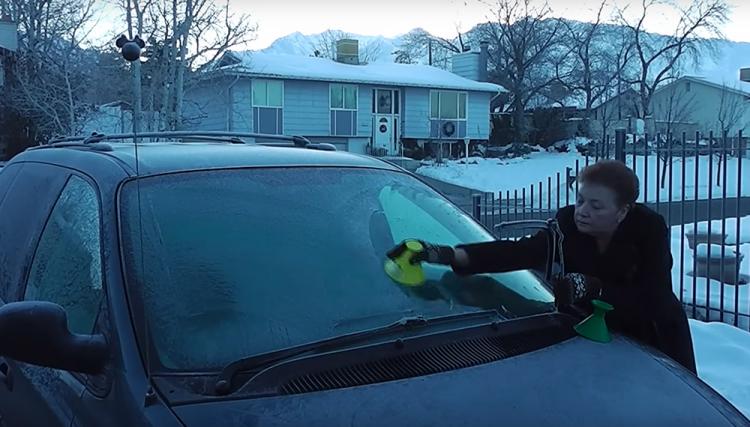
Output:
(223, 383)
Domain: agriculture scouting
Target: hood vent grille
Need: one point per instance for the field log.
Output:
(455, 355)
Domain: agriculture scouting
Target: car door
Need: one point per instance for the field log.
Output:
(65, 269)
(27, 193)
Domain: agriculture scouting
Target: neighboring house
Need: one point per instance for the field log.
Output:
(112, 118)
(687, 104)
(8, 45)
(365, 108)
(619, 111)
(691, 104)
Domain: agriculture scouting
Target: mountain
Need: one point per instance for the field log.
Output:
(377, 48)
(720, 68)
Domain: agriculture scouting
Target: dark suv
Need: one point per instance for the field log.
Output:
(229, 282)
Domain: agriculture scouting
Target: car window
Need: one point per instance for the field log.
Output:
(67, 266)
(28, 201)
(269, 258)
(7, 176)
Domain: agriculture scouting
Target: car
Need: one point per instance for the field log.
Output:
(214, 278)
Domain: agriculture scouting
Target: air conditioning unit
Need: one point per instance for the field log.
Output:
(448, 129)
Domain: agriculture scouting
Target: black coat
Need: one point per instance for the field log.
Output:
(635, 271)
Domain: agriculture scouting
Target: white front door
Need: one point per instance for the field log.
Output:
(384, 132)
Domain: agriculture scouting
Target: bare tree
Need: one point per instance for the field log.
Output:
(325, 46)
(521, 47)
(419, 44)
(592, 63)
(673, 109)
(658, 56)
(52, 71)
(135, 13)
(732, 108)
(184, 36)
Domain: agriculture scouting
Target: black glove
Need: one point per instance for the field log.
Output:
(431, 253)
(576, 288)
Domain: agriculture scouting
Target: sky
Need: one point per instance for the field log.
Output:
(277, 18)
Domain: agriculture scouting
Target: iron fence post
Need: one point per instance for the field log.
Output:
(620, 145)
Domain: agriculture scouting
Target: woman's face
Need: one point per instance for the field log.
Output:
(597, 211)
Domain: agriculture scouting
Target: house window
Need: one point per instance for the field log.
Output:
(343, 103)
(448, 105)
(268, 103)
(687, 86)
(343, 97)
(268, 93)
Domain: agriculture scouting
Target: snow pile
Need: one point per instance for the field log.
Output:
(730, 228)
(722, 354)
(719, 296)
(715, 252)
(570, 145)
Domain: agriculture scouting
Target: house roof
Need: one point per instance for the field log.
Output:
(8, 35)
(624, 92)
(730, 87)
(295, 67)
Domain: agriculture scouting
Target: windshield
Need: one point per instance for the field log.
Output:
(233, 263)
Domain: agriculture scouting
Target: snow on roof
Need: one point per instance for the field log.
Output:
(322, 69)
(735, 87)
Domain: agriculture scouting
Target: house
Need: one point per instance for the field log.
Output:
(111, 118)
(691, 104)
(687, 104)
(365, 108)
(8, 45)
(619, 111)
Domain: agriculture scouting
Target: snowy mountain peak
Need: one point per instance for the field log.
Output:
(375, 48)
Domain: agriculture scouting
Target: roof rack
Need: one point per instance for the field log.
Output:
(95, 139)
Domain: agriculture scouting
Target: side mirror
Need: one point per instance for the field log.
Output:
(36, 332)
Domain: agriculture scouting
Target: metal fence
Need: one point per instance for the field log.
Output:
(695, 182)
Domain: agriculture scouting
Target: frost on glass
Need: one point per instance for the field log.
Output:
(235, 263)
(67, 265)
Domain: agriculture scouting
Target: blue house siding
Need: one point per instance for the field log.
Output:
(306, 108)
(206, 107)
(364, 127)
(226, 104)
(241, 119)
(478, 115)
(416, 113)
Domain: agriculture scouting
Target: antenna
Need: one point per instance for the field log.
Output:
(131, 51)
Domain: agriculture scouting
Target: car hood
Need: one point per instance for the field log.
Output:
(577, 383)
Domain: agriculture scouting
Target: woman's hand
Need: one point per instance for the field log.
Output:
(575, 288)
(431, 253)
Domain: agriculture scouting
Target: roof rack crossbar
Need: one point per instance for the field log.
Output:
(233, 137)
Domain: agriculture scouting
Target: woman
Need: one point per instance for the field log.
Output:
(617, 251)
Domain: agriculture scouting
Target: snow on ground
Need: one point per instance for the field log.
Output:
(722, 355)
(736, 298)
(501, 175)
(493, 175)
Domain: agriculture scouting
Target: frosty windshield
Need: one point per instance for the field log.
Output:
(239, 262)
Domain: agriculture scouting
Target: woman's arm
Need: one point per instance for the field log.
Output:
(500, 255)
